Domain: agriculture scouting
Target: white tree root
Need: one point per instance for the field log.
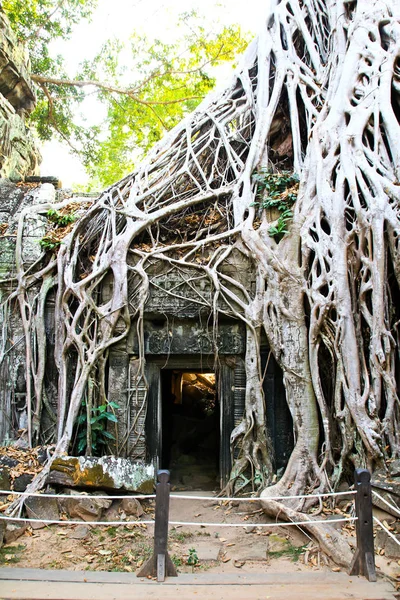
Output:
(317, 93)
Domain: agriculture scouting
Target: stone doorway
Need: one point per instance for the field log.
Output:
(190, 432)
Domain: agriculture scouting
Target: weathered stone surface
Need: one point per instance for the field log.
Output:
(388, 488)
(252, 548)
(192, 338)
(14, 531)
(7, 461)
(113, 513)
(5, 480)
(2, 530)
(132, 507)
(22, 481)
(81, 532)
(19, 155)
(81, 506)
(41, 508)
(388, 544)
(277, 543)
(15, 82)
(106, 472)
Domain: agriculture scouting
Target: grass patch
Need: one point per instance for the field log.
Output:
(10, 554)
(292, 552)
(179, 536)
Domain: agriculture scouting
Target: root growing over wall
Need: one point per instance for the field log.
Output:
(317, 94)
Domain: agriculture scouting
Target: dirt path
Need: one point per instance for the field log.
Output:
(231, 552)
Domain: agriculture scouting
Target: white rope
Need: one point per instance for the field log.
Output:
(68, 522)
(284, 524)
(395, 508)
(258, 498)
(387, 531)
(39, 495)
(177, 496)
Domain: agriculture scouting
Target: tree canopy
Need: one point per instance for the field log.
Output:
(143, 86)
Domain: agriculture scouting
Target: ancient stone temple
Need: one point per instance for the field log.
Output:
(172, 401)
(194, 399)
(19, 155)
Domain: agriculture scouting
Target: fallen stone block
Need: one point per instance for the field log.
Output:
(132, 507)
(22, 481)
(81, 532)
(14, 531)
(41, 508)
(5, 479)
(106, 472)
(82, 506)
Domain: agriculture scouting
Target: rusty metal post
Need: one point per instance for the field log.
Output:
(160, 563)
(364, 557)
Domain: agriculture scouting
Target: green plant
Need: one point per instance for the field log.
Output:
(100, 415)
(293, 552)
(59, 219)
(177, 560)
(48, 243)
(192, 559)
(277, 191)
(179, 536)
(9, 554)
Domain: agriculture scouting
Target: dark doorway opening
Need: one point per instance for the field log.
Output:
(190, 429)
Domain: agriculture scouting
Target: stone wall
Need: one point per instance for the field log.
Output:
(19, 155)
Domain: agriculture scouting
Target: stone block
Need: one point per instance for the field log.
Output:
(22, 481)
(41, 508)
(14, 531)
(2, 530)
(106, 472)
(132, 507)
(254, 549)
(5, 479)
(80, 532)
(81, 506)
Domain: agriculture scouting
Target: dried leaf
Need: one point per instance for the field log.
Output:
(239, 563)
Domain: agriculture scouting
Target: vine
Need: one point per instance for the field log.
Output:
(317, 92)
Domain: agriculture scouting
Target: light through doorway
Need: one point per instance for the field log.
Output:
(190, 429)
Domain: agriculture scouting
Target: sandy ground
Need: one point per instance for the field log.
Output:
(254, 547)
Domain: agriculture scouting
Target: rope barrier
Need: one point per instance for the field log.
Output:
(283, 524)
(395, 508)
(188, 524)
(387, 531)
(68, 522)
(39, 495)
(177, 496)
(258, 498)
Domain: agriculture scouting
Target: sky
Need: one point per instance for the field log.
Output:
(118, 18)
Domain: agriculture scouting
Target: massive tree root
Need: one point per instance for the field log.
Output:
(318, 94)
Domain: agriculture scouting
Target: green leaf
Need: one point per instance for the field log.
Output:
(111, 417)
(113, 405)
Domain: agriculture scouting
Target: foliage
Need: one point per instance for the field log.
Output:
(60, 219)
(62, 222)
(192, 558)
(292, 552)
(48, 244)
(145, 87)
(100, 416)
(9, 555)
(277, 190)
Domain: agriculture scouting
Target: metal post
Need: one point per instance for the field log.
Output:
(160, 564)
(364, 558)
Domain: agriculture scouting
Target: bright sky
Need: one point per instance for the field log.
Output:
(155, 18)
